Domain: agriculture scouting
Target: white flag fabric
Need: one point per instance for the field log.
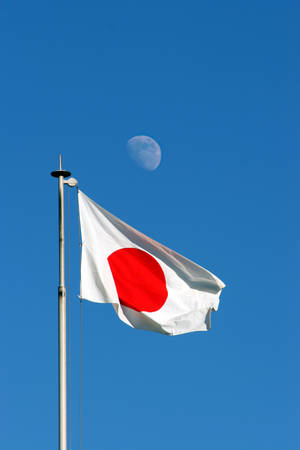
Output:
(150, 286)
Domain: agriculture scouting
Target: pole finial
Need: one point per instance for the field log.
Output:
(60, 172)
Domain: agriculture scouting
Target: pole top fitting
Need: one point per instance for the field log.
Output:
(60, 172)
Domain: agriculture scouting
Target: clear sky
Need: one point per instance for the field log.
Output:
(216, 84)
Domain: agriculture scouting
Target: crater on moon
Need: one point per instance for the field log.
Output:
(145, 151)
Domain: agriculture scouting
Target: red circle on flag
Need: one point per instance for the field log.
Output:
(139, 279)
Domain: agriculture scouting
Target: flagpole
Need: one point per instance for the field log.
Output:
(62, 325)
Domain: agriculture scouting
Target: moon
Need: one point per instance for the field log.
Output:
(145, 151)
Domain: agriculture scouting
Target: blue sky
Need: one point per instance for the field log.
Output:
(217, 85)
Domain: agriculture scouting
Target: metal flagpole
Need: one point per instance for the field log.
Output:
(62, 325)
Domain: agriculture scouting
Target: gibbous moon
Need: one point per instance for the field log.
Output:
(144, 151)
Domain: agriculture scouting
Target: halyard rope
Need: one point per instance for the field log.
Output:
(80, 338)
(69, 317)
(80, 376)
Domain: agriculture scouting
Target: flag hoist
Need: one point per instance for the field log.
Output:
(62, 325)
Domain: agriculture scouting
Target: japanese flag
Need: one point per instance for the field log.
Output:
(150, 286)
